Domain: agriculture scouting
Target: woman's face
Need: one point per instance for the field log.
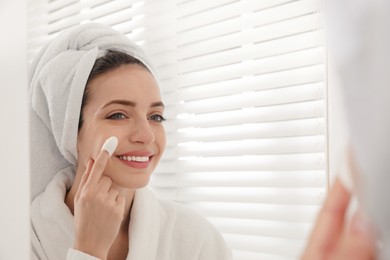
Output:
(125, 103)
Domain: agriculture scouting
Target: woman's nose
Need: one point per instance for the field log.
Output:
(142, 132)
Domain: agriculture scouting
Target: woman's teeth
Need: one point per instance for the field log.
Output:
(134, 158)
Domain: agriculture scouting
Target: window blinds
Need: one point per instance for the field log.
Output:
(244, 84)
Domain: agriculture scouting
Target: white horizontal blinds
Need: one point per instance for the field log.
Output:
(249, 80)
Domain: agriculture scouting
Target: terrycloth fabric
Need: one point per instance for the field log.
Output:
(58, 76)
(158, 230)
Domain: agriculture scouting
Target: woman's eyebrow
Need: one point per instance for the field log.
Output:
(121, 102)
(132, 104)
(157, 104)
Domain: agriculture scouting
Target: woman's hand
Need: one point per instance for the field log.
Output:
(98, 211)
(332, 238)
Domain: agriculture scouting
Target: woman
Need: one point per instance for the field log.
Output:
(89, 84)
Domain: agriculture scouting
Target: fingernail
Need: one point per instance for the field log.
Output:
(110, 145)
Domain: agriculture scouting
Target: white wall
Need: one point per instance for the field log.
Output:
(14, 182)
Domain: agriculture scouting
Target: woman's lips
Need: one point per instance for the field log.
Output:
(135, 164)
(138, 160)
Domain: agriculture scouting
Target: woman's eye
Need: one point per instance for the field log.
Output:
(117, 116)
(157, 118)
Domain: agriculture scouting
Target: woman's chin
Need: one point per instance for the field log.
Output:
(132, 182)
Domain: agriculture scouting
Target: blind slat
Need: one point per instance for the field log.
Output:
(245, 255)
(310, 109)
(274, 212)
(264, 228)
(199, 6)
(284, 78)
(286, 247)
(308, 40)
(288, 179)
(261, 34)
(64, 13)
(288, 196)
(282, 12)
(289, 145)
(210, 16)
(303, 127)
(309, 161)
(272, 97)
(56, 5)
(112, 9)
(256, 67)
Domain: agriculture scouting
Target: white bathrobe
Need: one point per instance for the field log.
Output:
(158, 229)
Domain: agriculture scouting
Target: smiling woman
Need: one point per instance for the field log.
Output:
(88, 85)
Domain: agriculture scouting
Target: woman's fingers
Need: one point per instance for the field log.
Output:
(105, 184)
(113, 194)
(98, 168)
(329, 224)
(84, 178)
(332, 238)
(108, 149)
(99, 207)
(120, 200)
(357, 241)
